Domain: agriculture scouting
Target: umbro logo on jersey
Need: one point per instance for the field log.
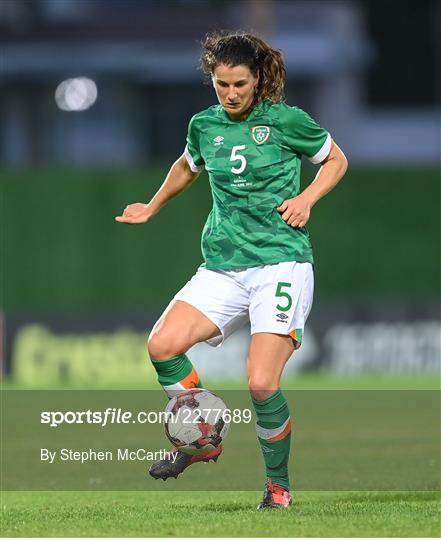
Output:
(218, 140)
(260, 134)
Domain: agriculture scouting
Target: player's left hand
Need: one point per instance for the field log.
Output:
(295, 211)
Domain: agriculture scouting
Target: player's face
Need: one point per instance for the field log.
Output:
(235, 87)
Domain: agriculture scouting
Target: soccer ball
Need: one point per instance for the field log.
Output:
(197, 421)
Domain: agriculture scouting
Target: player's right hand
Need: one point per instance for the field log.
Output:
(135, 213)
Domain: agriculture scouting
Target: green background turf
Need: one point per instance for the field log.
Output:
(342, 440)
(219, 514)
(376, 236)
(228, 513)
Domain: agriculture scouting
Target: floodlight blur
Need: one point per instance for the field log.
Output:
(77, 94)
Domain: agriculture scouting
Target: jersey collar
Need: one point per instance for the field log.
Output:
(257, 110)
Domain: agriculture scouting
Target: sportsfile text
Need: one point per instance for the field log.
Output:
(113, 415)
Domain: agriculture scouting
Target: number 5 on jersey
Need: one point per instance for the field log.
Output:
(235, 156)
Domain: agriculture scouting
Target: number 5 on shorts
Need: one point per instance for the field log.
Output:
(279, 292)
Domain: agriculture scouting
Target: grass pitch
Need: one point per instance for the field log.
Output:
(227, 513)
(219, 514)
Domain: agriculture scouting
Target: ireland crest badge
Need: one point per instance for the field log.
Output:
(260, 134)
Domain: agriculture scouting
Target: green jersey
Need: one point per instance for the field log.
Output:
(253, 166)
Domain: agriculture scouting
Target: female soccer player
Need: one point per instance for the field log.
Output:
(257, 252)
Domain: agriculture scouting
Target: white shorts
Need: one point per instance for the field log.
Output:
(275, 298)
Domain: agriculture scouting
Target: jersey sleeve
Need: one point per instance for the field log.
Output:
(304, 135)
(192, 150)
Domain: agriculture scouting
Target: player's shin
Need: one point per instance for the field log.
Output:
(176, 374)
(273, 428)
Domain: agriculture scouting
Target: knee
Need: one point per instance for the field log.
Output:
(261, 386)
(162, 345)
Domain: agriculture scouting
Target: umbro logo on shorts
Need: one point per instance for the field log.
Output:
(281, 317)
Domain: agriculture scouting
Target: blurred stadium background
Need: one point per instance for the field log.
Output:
(95, 98)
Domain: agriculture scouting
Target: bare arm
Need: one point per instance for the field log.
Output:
(296, 211)
(179, 178)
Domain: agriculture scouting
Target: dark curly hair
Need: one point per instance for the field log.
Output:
(241, 48)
